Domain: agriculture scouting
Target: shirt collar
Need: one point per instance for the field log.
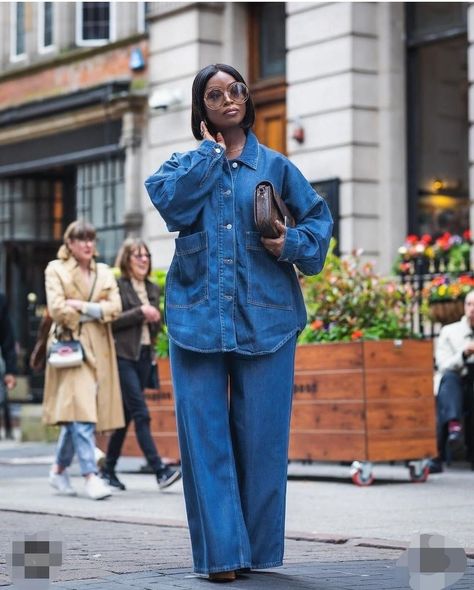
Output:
(249, 155)
(72, 263)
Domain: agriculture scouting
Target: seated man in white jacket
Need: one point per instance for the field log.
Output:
(455, 363)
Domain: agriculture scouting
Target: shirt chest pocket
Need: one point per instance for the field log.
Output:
(188, 278)
(269, 282)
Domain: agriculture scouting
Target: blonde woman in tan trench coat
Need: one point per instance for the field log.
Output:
(83, 297)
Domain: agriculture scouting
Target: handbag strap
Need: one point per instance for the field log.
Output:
(88, 299)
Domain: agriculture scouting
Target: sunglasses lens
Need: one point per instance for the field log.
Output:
(238, 92)
(214, 98)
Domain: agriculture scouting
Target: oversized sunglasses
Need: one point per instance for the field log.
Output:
(236, 91)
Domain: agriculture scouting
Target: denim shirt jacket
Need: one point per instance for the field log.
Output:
(224, 291)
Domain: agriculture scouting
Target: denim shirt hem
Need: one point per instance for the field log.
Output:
(237, 349)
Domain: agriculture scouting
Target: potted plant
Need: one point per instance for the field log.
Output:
(415, 255)
(348, 301)
(443, 297)
(426, 254)
(363, 382)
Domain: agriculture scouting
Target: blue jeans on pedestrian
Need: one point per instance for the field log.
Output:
(234, 453)
(451, 402)
(79, 438)
(134, 376)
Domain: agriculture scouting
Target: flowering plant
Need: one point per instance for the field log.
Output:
(449, 252)
(349, 301)
(445, 288)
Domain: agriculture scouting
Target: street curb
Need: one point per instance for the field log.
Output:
(357, 541)
(388, 544)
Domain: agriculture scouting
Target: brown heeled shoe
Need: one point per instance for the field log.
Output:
(222, 576)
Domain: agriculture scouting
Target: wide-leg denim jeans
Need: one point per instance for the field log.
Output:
(234, 453)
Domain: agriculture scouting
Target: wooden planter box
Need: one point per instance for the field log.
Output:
(364, 401)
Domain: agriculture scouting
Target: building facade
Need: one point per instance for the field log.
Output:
(372, 101)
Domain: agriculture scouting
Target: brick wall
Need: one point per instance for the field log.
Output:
(90, 68)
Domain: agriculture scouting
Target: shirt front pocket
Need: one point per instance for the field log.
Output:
(188, 282)
(269, 282)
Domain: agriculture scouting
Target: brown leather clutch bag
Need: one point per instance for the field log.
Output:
(268, 207)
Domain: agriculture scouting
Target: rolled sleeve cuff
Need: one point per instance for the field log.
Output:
(291, 246)
(210, 148)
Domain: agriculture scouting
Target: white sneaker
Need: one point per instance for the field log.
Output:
(99, 458)
(60, 482)
(96, 488)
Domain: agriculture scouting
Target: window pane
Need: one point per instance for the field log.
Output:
(48, 24)
(20, 28)
(434, 18)
(272, 39)
(442, 138)
(95, 20)
(100, 196)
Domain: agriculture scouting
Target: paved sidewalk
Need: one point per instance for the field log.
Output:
(115, 556)
(139, 540)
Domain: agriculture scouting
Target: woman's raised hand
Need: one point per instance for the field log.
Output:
(219, 138)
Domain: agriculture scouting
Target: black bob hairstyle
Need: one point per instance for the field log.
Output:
(198, 111)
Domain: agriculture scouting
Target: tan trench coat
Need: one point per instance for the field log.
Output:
(90, 392)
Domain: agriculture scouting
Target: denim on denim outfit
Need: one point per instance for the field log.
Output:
(133, 378)
(77, 437)
(224, 291)
(233, 311)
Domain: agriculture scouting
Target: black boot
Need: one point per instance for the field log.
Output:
(108, 475)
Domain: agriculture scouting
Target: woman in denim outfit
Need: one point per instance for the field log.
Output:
(234, 309)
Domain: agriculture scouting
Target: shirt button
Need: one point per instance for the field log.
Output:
(227, 192)
(229, 226)
(217, 150)
(228, 260)
(228, 297)
(234, 164)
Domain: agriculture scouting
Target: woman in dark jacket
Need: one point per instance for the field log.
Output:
(135, 332)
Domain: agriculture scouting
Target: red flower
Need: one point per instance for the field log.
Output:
(357, 335)
(316, 325)
(426, 239)
(467, 235)
(412, 239)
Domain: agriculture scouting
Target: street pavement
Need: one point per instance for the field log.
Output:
(339, 536)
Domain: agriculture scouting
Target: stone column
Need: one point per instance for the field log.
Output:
(184, 37)
(345, 84)
(131, 140)
(393, 197)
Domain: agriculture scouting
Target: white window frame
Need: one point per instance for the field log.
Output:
(42, 48)
(14, 56)
(80, 42)
(141, 25)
